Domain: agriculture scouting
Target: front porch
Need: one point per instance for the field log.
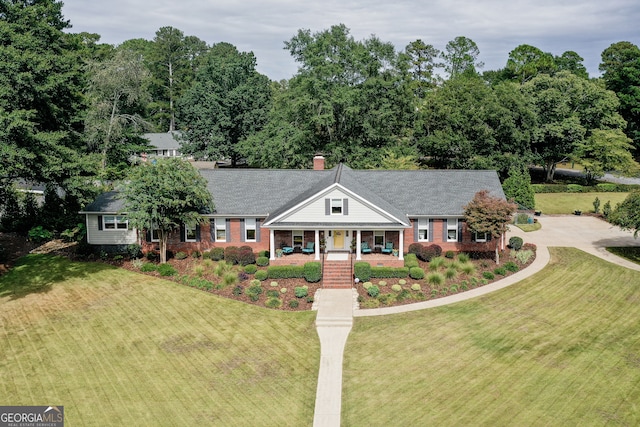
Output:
(375, 259)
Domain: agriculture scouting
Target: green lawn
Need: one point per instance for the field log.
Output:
(566, 203)
(560, 348)
(632, 253)
(119, 348)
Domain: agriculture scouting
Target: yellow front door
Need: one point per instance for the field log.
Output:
(338, 239)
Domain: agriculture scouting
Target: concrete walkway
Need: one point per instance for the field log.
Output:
(336, 306)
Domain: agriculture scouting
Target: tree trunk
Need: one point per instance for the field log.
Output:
(163, 235)
(550, 169)
(497, 253)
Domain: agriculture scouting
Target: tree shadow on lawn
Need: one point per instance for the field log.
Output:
(37, 273)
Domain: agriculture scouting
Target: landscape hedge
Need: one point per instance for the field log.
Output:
(389, 272)
(362, 270)
(312, 271)
(285, 271)
(603, 187)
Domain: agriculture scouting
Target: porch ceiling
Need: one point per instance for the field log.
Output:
(333, 226)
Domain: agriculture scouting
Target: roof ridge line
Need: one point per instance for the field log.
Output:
(338, 173)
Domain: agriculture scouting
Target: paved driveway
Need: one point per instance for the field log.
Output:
(584, 232)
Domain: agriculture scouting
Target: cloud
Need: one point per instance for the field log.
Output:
(497, 26)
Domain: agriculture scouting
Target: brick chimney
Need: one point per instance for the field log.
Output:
(318, 163)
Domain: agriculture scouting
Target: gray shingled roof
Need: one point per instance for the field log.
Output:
(105, 203)
(164, 141)
(262, 192)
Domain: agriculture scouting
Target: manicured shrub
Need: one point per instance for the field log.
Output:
(389, 272)
(403, 295)
(450, 273)
(411, 260)
(312, 271)
(516, 243)
(468, 268)
(310, 299)
(232, 254)
(434, 293)
(371, 303)
(254, 282)
(167, 270)
(500, 271)
(147, 267)
(250, 269)
(606, 209)
(196, 254)
(283, 290)
(574, 188)
(367, 285)
(253, 292)
(264, 253)
(246, 255)
(273, 284)
(416, 273)
(463, 257)
(294, 303)
(396, 288)
(181, 255)
(300, 292)
(39, 234)
(511, 266)
(273, 303)
(362, 270)
(436, 263)
(488, 275)
(373, 291)
(261, 275)
(382, 283)
(416, 287)
(134, 251)
(216, 254)
(242, 276)
(237, 290)
(415, 249)
(430, 252)
(453, 289)
(285, 271)
(262, 261)
(153, 256)
(402, 282)
(272, 293)
(449, 254)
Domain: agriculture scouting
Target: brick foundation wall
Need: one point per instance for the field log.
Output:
(467, 245)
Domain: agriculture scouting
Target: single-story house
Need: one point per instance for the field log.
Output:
(163, 144)
(338, 209)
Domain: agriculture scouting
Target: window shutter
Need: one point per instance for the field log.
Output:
(99, 222)
(345, 206)
(416, 236)
(228, 229)
(327, 206)
(198, 233)
(460, 230)
(212, 229)
(257, 230)
(445, 224)
(488, 237)
(242, 231)
(182, 232)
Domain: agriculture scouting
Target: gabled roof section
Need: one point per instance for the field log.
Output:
(165, 140)
(108, 202)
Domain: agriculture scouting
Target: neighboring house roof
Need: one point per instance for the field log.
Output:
(399, 194)
(108, 203)
(164, 141)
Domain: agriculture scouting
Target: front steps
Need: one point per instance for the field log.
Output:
(337, 275)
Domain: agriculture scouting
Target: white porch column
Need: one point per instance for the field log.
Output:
(317, 245)
(401, 244)
(358, 251)
(272, 244)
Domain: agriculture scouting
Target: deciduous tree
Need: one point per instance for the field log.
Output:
(627, 214)
(163, 195)
(489, 214)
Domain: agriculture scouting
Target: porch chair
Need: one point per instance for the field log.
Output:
(364, 248)
(309, 249)
(388, 248)
(287, 250)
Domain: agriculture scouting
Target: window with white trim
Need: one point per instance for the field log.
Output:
(250, 229)
(423, 229)
(114, 222)
(452, 229)
(190, 234)
(221, 229)
(378, 238)
(480, 237)
(155, 235)
(298, 238)
(336, 206)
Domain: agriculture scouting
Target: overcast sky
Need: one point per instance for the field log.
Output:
(261, 26)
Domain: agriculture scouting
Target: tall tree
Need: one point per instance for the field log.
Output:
(423, 62)
(526, 62)
(164, 195)
(606, 150)
(41, 103)
(568, 109)
(572, 62)
(621, 72)
(227, 103)
(627, 214)
(461, 56)
(517, 188)
(489, 214)
(118, 91)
